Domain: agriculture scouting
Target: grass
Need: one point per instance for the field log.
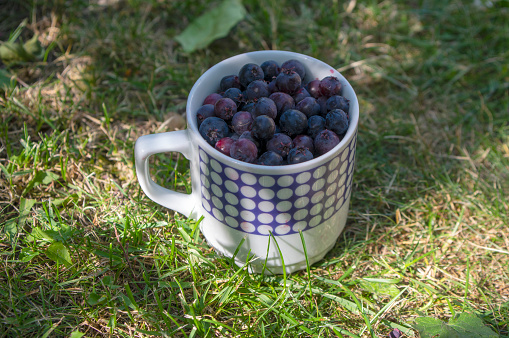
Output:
(427, 230)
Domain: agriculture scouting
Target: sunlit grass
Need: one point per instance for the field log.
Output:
(427, 229)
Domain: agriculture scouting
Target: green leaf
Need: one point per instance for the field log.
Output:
(76, 334)
(25, 206)
(42, 177)
(379, 287)
(5, 79)
(95, 299)
(27, 255)
(212, 25)
(10, 229)
(464, 325)
(58, 252)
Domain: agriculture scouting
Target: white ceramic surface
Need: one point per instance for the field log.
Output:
(252, 204)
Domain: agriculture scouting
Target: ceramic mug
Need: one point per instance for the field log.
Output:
(252, 211)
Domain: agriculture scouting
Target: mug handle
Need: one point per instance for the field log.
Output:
(148, 145)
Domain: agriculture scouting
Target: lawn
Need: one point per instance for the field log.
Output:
(85, 253)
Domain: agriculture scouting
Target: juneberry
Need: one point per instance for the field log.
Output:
(225, 108)
(316, 124)
(294, 65)
(235, 94)
(313, 88)
(337, 121)
(212, 98)
(288, 81)
(299, 155)
(224, 145)
(304, 141)
(302, 93)
(338, 102)
(270, 69)
(283, 102)
(229, 81)
(212, 129)
(270, 158)
(249, 73)
(329, 86)
(256, 90)
(293, 122)
(242, 122)
(207, 110)
(265, 106)
(325, 141)
(263, 127)
(308, 106)
(248, 135)
(280, 144)
(244, 150)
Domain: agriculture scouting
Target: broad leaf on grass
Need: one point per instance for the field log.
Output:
(10, 229)
(380, 287)
(42, 177)
(5, 79)
(212, 25)
(76, 334)
(95, 299)
(25, 206)
(464, 325)
(58, 252)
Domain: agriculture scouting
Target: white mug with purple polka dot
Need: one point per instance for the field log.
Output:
(256, 211)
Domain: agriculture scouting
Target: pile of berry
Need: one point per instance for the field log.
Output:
(266, 115)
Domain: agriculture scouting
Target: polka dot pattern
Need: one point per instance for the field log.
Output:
(277, 204)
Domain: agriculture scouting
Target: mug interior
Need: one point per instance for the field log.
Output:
(315, 69)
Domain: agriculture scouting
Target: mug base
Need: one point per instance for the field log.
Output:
(262, 253)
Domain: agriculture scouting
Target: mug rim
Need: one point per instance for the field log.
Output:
(286, 168)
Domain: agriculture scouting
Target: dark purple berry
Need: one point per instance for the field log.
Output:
(212, 98)
(304, 141)
(288, 82)
(283, 102)
(280, 144)
(265, 106)
(235, 94)
(242, 122)
(263, 127)
(229, 81)
(299, 155)
(203, 112)
(296, 66)
(329, 86)
(308, 106)
(322, 101)
(302, 93)
(337, 121)
(256, 90)
(338, 102)
(234, 136)
(212, 129)
(325, 141)
(395, 333)
(248, 135)
(248, 107)
(225, 108)
(270, 158)
(270, 69)
(272, 86)
(293, 122)
(224, 145)
(244, 150)
(250, 72)
(316, 124)
(313, 88)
